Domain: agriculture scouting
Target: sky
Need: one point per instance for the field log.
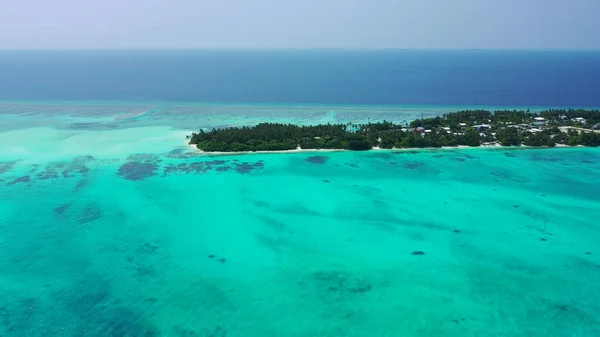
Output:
(268, 24)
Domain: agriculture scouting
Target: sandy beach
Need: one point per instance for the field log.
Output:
(299, 150)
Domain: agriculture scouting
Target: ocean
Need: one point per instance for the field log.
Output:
(388, 77)
(111, 225)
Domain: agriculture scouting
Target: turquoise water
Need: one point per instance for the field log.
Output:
(111, 226)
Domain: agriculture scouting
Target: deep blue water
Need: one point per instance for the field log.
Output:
(500, 78)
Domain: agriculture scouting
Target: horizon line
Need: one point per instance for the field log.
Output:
(292, 49)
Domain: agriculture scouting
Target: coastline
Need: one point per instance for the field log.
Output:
(460, 147)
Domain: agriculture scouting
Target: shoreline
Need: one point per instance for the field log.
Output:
(460, 147)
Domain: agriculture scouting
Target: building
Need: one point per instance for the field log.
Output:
(579, 120)
(596, 126)
(539, 121)
(481, 127)
(462, 125)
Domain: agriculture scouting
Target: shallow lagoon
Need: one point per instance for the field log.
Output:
(125, 231)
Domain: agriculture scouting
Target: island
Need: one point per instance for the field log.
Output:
(547, 128)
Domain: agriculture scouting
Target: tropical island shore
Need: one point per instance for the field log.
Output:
(469, 128)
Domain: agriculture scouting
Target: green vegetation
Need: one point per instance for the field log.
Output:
(468, 128)
(508, 137)
(277, 137)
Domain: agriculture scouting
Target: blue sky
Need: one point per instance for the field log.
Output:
(132, 24)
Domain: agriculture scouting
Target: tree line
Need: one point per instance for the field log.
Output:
(451, 129)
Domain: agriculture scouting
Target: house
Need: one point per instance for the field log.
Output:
(481, 127)
(420, 129)
(539, 121)
(578, 120)
(534, 130)
(596, 126)
(562, 117)
(462, 125)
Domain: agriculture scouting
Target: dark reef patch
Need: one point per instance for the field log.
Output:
(272, 223)
(297, 208)
(326, 181)
(341, 282)
(180, 154)
(195, 168)
(83, 126)
(137, 171)
(86, 308)
(510, 155)
(100, 313)
(77, 167)
(51, 171)
(217, 162)
(585, 161)
(413, 165)
(317, 159)
(274, 244)
(246, 167)
(509, 176)
(214, 332)
(89, 214)
(80, 185)
(381, 155)
(538, 157)
(417, 253)
(141, 262)
(146, 249)
(216, 165)
(144, 158)
(7, 166)
(33, 168)
(407, 152)
(17, 319)
(60, 210)
(459, 159)
(23, 179)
